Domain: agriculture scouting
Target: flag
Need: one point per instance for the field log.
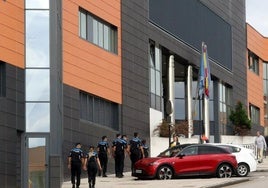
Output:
(204, 73)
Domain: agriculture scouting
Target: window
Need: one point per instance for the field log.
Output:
(99, 111)
(254, 114)
(97, 31)
(265, 79)
(2, 79)
(155, 75)
(190, 151)
(225, 106)
(253, 62)
(179, 100)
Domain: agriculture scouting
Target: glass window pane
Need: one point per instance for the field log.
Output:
(179, 109)
(36, 165)
(38, 4)
(89, 28)
(158, 83)
(37, 117)
(106, 37)
(37, 85)
(157, 58)
(211, 92)
(95, 31)
(100, 35)
(211, 110)
(179, 90)
(152, 85)
(83, 25)
(37, 38)
(83, 106)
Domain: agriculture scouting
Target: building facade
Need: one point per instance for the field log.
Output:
(257, 46)
(75, 70)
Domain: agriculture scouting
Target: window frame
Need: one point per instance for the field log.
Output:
(93, 30)
(98, 110)
(253, 63)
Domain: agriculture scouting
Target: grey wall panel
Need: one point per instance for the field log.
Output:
(135, 106)
(77, 130)
(12, 110)
(193, 22)
(233, 13)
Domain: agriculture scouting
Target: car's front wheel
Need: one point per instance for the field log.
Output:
(164, 173)
(242, 170)
(224, 171)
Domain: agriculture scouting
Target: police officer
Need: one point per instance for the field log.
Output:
(92, 164)
(75, 162)
(118, 149)
(103, 152)
(136, 150)
(145, 148)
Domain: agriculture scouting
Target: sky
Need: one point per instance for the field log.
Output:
(257, 15)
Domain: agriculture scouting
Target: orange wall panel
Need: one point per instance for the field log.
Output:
(257, 43)
(12, 32)
(86, 66)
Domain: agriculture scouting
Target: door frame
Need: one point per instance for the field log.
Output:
(25, 156)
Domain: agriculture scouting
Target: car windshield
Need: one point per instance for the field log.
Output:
(170, 152)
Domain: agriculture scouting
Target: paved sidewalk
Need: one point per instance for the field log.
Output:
(131, 182)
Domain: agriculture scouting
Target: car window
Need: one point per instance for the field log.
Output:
(232, 149)
(211, 150)
(170, 152)
(190, 151)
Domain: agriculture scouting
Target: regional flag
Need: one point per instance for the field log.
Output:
(204, 73)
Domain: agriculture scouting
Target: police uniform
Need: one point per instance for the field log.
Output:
(135, 152)
(103, 157)
(76, 155)
(92, 168)
(119, 156)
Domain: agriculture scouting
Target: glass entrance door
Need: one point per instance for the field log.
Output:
(36, 156)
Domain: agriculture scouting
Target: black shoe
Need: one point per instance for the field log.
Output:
(73, 186)
(104, 175)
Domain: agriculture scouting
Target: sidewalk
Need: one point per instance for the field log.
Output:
(131, 182)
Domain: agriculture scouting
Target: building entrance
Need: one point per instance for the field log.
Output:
(36, 161)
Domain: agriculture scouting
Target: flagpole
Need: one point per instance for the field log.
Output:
(189, 101)
(204, 81)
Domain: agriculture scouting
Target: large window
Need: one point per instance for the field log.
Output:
(97, 31)
(254, 114)
(225, 96)
(253, 62)
(155, 76)
(99, 111)
(2, 79)
(37, 66)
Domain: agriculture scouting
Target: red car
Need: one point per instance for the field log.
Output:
(194, 160)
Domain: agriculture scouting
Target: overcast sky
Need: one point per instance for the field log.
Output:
(257, 15)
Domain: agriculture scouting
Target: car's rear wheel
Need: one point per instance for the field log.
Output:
(242, 170)
(164, 173)
(224, 171)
